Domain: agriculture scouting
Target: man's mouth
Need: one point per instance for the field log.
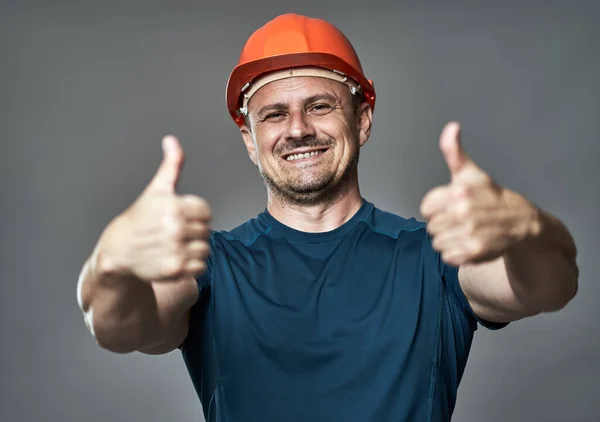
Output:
(303, 153)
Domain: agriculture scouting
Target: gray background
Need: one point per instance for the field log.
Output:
(87, 89)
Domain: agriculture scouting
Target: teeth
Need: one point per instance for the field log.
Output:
(304, 155)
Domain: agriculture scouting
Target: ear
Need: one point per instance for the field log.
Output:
(249, 142)
(365, 122)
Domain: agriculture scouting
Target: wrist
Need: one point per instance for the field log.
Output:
(527, 219)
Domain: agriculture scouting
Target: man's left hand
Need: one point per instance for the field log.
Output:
(473, 219)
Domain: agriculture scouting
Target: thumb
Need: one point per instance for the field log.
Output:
(167, 175)
(455, 156)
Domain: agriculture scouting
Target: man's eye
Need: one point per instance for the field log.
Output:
(272, 116)
(321, 107)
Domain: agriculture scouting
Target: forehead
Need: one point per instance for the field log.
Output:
(298, 88)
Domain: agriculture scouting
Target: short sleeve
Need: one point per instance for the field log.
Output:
(197, 312)
(449, 276)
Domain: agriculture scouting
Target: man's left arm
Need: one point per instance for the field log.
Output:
(515, 260)
(537, 274)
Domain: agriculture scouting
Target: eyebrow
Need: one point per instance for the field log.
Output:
(308, 100)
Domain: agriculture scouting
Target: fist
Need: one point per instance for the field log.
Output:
(472, 219)
(162, 236)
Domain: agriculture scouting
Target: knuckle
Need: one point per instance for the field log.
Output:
(175, 228)
(430, 228)
(470, 226)
(200, 249)
(205, 208)
(198, 231)
(469, 204)
(463, 209)
(449, 258)
(204, 249)
(196, 267)
(204, 232)
(477, 246)
(461, 191)
(174, 265)
(197, 206)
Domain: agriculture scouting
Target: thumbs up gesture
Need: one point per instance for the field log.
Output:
(472, 219)
(162, 235)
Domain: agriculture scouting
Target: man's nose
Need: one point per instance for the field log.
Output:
(299, 126)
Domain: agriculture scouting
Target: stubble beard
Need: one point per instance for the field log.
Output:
(325, 189)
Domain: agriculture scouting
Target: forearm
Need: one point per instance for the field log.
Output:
(542, 269)
(120, 309)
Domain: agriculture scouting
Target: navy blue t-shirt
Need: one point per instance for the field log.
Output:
(362, 323)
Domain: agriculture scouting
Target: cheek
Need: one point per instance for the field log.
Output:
(265, 145)
(345, 138)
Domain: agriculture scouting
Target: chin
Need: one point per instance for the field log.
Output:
(318, 189)
(324, 192)
(307, 198)
(308, 193)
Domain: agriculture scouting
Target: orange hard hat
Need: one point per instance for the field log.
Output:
(292, 41)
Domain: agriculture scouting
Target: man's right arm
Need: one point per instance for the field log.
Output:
(137, 287)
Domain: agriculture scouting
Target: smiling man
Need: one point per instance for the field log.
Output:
(323, 307)
(316, 164)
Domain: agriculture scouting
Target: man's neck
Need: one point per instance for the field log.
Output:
(319, 217)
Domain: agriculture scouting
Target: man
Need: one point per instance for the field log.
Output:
(323, 307)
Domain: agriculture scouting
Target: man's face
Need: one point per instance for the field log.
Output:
(304, 135)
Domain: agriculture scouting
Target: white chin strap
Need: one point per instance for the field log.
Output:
(250, 89)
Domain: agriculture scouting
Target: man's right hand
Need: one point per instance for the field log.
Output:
(162, 236)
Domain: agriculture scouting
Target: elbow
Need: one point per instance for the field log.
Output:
(563, 294)
(115, 338)
(115, 335)
(114, 347)
(115, 328)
